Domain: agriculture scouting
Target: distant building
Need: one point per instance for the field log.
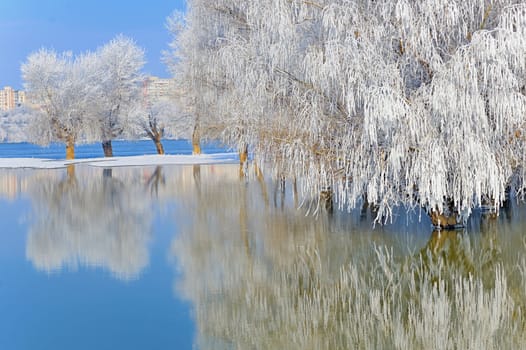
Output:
(10, 98)
(20, 98)
(157, 89)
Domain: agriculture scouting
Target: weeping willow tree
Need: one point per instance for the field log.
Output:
(415, 103)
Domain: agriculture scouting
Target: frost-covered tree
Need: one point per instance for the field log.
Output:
(157, 120)
(118, 84)
(419, 103)
(57, 87)
(190, 58)
(85, 97)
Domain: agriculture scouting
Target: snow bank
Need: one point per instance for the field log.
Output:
(145, 160)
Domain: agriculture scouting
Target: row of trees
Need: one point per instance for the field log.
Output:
(94, 96)
(420, 103)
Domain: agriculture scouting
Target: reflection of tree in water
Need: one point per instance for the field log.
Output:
(263, 278)
(90, 220)
(479, 254)
(156, 181)
(230, 261)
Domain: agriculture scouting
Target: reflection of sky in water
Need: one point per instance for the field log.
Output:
(83, 299)
(146, 258)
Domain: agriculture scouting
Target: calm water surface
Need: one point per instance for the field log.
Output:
(194, 257)
(93, 150)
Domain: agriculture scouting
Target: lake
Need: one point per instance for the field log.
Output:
(182, 257)
(93, 150)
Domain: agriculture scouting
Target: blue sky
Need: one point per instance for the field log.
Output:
(80, 25)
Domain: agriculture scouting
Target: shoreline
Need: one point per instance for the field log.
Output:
(120, 161)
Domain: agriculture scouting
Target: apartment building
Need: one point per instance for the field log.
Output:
(10, 98)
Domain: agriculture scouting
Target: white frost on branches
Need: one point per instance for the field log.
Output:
(158, 120)
(420, 103)
(86, 97)
(117, 84)
(57, 85)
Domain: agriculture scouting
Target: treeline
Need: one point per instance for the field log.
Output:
(95, 96)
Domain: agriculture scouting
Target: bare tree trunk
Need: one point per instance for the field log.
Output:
(159, 146)
(444, 220)
(107, 148)
(326, 199)
(243, 158)
(70, 148)
(196, 147)
(243, 155)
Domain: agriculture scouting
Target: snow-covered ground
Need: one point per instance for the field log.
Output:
(143, 160)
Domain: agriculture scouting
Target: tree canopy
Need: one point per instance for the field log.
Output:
(57, 84)
(419, 103)
(118, 87)
(85, 97)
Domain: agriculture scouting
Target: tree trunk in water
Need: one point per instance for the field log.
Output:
(262, 184)
(196, 147)
(444, 221)
(449, 218)
(243, 223)
(326, 199)
(243, 157)
(107, 148)
(279, 188)
(70, 148)
(159, 147)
